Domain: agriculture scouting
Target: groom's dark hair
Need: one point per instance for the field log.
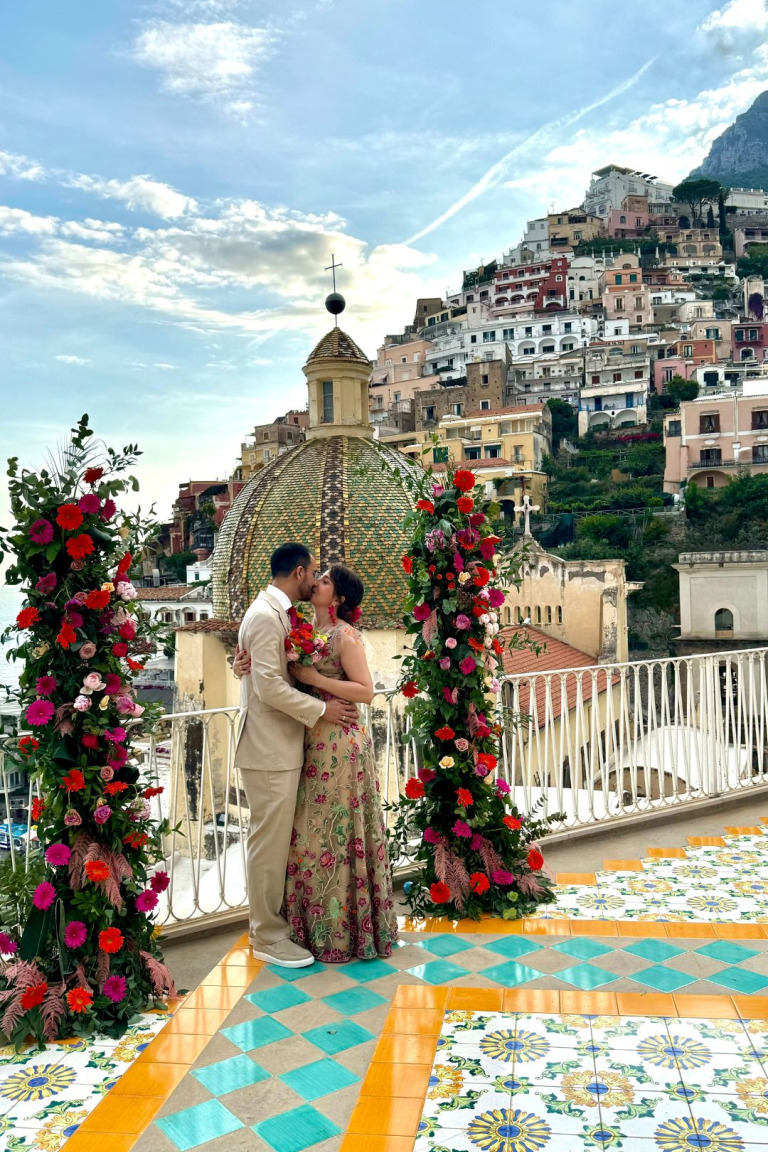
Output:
(288, 557)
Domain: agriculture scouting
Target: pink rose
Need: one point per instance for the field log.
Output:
(126, 590)
(94, 682)
(463, 621)
(125, 705)
(445, 663)
(106, 774)
(87, 650)
(102, 813)
(82, 703)
(451, 642)
(462, 745)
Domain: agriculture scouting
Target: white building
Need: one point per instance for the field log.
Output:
(199, 571)
(177, 604)
(535, 242)
(615, 387)
(612, 184)
(747, 201)
(723, 600)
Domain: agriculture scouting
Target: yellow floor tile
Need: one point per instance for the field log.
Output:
(532, 927)
(575, 878)
(739, 931)
(705, 1007)
(216, 996)
(475, 999)
(588, 1003)
(646, 1004)
(414, 1021)
(687, 931)
(747, 830)
(95, 1142)
(706, 841)
(419, 996)
(354, 1142)
(394, 1049)
(173, 1049)
(491, 925)
(396, 1080)
(531, 1000)
(197, 1021)
(235, 976)
(124, 1114)
(751, 1007)
(382, 1116)
(150, 1080)
(666, 853)
(594, 927)
(623, 866)
(642, 928)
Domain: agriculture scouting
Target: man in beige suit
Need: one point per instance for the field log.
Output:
(270, 748)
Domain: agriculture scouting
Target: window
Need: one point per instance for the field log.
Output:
(617, 278)
(470, 298)
(760, 419)
(457, 409)
(548, 614)
(508, 333)
(489, 337)
(528, 613)
(518, 454)
(616, 377)
(538, 613)
(619, 303)
(739, 334)
(622, 219)
(634, 349)
(638, 301)
(529, 332)
(568, 326)
(327, 387)
(753, 334)
(267, 453)
(440, 455)
(595, 379)
(485, 405)
(709, 423)
(493, 451)
(546, 329)
(559, 614)
(674, 428)
(710, 481)
(711, 456)
(484, 378)
(507, 615)
(633, 278)
(723, 620)
(547, 347)
(397, 397)
(760, 454)
(568, 346)
(520, 616)
(473, 453)
(428, 413)
(403, 359)
(473, 339)
(638, 374)
(687, 350)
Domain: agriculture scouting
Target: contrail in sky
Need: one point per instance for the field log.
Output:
(493, 174)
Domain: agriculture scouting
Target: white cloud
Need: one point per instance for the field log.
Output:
(18, 220)
(19, 167)
(79, 360)
(217, 62)
(140, 193)
(100, 231)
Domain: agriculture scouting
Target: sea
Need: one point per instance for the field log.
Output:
(11, 599)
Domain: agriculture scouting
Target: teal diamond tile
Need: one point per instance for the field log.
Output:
(365, 970)
(333, 1038)
(727, 951)
(740, 980)
(194, 1126)
(295, 1130)
(586, 976)
(445, 945)
(299, 973)
(655, 950)
(256, 1033)
(513, 946)
(278, 998)
(663, 979)
(581, 948)
(354, 1000)
(438, 971)
(318, 1079)
(229, 1075)
(511, 974)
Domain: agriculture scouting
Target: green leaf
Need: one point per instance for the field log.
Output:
(38, 928)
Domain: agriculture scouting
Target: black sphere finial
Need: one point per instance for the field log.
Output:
(335, 303)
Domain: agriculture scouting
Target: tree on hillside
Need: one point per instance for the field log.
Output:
(722, 222)
(565, 422)
(710, 217)
(695, 193)
(755, 304)
(681, 389)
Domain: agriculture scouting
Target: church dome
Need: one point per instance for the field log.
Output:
(337, 345)
(341, 495)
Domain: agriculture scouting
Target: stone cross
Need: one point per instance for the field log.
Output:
(526, 507)
(332, 268)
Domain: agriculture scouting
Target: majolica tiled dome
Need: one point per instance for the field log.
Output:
(339, 496)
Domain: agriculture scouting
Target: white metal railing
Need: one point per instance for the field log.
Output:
(596, 744)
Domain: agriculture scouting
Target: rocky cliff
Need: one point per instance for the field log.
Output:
(738, 157)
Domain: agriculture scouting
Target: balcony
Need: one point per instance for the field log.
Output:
(702, 463)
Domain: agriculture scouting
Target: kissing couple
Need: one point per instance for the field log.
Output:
(319, 882)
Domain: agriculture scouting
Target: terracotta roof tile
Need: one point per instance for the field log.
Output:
(538, 407)
(165, 592)
(228, 627)
(555, 656)
(337, 345)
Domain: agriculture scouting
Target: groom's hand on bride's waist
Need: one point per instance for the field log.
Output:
(340, 711)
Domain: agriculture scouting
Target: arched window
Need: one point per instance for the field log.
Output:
(548, 614)
(559, 614)
(507, 615)
(538, 614)
(723, 620)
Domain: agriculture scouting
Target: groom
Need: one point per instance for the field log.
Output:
(270, 747)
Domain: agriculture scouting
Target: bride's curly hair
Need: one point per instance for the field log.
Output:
(350, 590)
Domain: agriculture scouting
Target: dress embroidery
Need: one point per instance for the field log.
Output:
(338, 898)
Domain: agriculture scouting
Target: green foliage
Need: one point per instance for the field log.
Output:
(645, 459)
(754, 262)
(681, 389)
(177, 565)
(695, 191)
(477, 850)
(565, 421)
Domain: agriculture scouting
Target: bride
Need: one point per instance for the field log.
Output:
(338, 894)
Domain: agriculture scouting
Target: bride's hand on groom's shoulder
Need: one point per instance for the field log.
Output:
(304, 673)
(241, 665)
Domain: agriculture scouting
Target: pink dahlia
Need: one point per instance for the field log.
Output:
(502, 786)
(146, 900)
(75, 934)
(114, 988)
(7, 945)
(160, 881)
(46, 584)
(461, 828)
(46, 685)
(58, 854)
(102, 813)
(422, 612)
(44, 895)
(467, 665)
(495, 597)
(116, 735)
(89, 504)
(41, 532)
(40, 713)
(108, 509)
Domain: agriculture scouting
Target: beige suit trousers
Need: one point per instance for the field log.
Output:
(272, 800)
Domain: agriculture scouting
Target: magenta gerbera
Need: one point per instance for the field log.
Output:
(461, 828)
(46, 584)
(467, 665)
(44, 895)
(58, 854)
(41, 532)
(114, 988)
(146, 900)
(75, 934)
(7, 945)
(160, 881)
(46, 685)
(117, 735)
(89, 504)
(40, 713)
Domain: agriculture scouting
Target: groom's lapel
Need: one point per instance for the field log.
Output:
(277, 607)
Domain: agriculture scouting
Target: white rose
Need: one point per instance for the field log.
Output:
(82, 703)
(126, 591)
(485, 618)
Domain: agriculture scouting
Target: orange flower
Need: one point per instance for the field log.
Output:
(37, 806)
(96, 871)
(464, 480)
(481, 576)
(79, 999)
(67, 635)
(27, 617)
(465, 503)
(464, 797)
(73, 781)
(80, 546)
(97, 600)
(69, 517)
(475, 644)
(110, 940)
(445, 733)
(34, 995)
(487, 760)
(512, 823)
(535, 860)
(439, 893)
(134, 665)
(28, 745)
(425, 505)
(115, 787)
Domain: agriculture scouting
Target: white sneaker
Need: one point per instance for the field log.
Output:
(284, 953)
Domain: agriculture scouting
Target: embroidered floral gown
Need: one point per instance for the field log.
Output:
(338, 896)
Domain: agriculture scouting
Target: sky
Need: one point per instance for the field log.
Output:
(175, 175)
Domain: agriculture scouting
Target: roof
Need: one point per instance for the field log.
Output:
(538, 407)
(555, 656)
(228, 628)
(487, 462)
(166, 592)
(337, 345)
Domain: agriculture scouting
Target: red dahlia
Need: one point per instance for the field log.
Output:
(464, 480)
(439, 893)
(34, 995)
(414, 789)
(69, 517)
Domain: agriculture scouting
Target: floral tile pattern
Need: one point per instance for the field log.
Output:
(513, 1082)
(709, 884)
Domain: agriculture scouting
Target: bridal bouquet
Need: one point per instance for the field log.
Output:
(303, 644)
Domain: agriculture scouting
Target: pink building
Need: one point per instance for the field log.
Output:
(630, 220)
(625, 296)
(711, 438)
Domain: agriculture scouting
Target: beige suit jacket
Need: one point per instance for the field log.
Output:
(273, 714)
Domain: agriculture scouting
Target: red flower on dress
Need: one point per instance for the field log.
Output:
(410, 689)
(27, 617)
(535, 860)
(92, 475)
(479, 882)
(80, 546)
(34, 995)
(79, 999)
(425, 505)
(407, 564)
(69, 517)
(445, 733)
(439, 893)
(465, 503)
(464, 480)
(414, 789)
(464, 797)
(74, 780)
(110, 940)
(96, 871)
